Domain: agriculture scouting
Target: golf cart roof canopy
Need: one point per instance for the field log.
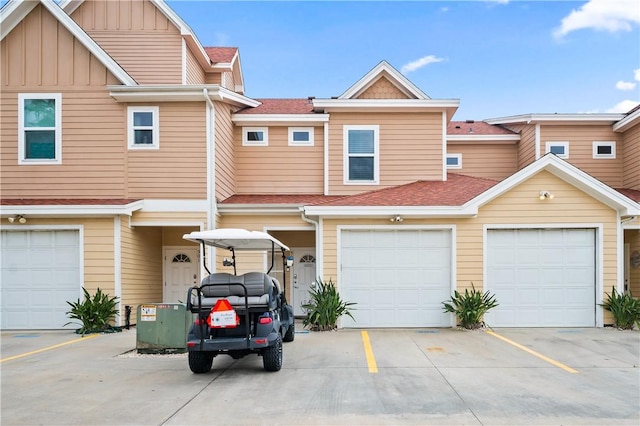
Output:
(236, 239)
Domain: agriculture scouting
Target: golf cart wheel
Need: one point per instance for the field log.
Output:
(200, 361)
(290, 334)
(272, 356)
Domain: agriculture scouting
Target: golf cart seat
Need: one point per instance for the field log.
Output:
(262, 290)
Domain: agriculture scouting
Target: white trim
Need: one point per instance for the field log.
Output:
(57, 128)
(563, 144)
(537, 141)
(184, 61)
(175, 206)
(178, 93)
(576, 117)
(597, 144)
(57, 210)
(254, 209)
(393, 75)
(155, 127)
(626, 122)
(325, 159)
(369, 105)
(280, 119)
(245, 136)
(444, 146)
(458, 158)
(210, 129)
(117, 266)
(599, 249)
(167, 223)
(310, 134)
(376, 153)
(483, 138)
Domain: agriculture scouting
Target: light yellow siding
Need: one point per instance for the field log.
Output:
(279, 168)
(488, 160)
(225, 168)
(410, 148)
(137, 35)
(631, 158)
(382, 89)
(632, 237)
(163, 218)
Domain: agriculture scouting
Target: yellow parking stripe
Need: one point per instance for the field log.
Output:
(48, 348)
(532, 352)
(371, 360)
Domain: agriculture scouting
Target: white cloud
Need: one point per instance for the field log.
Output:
(624, 106)
(419, 63)
(625, 85)
(608, 15)
(636, 74)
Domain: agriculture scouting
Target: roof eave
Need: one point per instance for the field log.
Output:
(72, 210)
(179, 93)
(253, 209)
(373, 105)
(604, 118)
(484, 138)
(280, 119)
(627, 122)
(415, 212)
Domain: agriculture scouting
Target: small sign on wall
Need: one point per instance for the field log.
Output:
(147, 313)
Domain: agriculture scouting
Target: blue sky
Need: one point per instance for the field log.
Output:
(498, 57)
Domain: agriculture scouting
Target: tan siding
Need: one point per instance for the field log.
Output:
(163, 218)
(581, 140)
(527, 144)
(279, 168)
(632, 237)
(195, 74)
(631, 158)
(178, 169)
(213, 78)
(229, 81)
(382, 89)
(225, 153)
(487, 160)
(141, 257)
(410, 148)
(137, 35)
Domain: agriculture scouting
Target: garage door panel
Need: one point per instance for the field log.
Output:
(526, 276)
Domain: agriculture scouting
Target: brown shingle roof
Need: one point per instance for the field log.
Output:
(471, 127)
(281, 106)
(296, 199)
(630, 193)
(66, 201)
(221, 54)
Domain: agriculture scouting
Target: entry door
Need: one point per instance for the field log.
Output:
(182, 270)
(303, 275)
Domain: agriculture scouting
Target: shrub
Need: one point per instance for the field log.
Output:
(470, 307)
(94, 313)
(625, 309)
(325, 307)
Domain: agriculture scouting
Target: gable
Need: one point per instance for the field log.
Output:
(384, 69)
(383, 89)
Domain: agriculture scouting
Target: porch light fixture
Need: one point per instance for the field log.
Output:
(21, 219)
(545, 195)
(396, 218)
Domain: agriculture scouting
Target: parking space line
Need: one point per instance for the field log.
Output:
(48, 348)
(368, 351)
(532, 352)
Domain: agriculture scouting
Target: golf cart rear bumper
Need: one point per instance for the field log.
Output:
(231, 343)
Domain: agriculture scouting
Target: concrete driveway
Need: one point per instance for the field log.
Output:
(443, 376)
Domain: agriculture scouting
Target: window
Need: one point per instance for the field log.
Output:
(144, 130)
(255, 136)
(604, 149)
(561, 149)
(39, 128)
(454, 161)
(361, 160)
(301, 136)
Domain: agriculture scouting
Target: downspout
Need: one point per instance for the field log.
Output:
(444, 146)
(212, 207)
(318, 231)
(620, 284)
(117, 266)
(326, 158)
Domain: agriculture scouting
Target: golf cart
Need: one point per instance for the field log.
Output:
(238, 315)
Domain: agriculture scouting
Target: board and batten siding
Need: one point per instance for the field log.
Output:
(581, 138)
(225, 168)
(178, 170)
(279, 168)
(410, 148)
(137, 35)
(487, 160)
(631, 158)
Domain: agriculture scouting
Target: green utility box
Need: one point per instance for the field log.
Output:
(162, 328)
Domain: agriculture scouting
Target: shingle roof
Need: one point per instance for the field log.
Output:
(471, 127)
(630, 193)
(66, 201)
(296, 199)
(221, 54)
(455, 191)
(281, 106)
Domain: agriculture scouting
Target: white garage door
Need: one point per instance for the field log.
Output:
(40, 272)
(542, 277)
(398, 278)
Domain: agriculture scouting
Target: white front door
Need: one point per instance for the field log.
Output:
(303, 275)
(182, 270)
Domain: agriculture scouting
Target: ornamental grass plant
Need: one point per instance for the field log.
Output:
(470, 307)
(325, 307)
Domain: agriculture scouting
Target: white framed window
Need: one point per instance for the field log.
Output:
(454, 161)
(561, 149)
(361, 154)
(143, 127)
(300, 136)
(255, 136)
(604, 149)
(39, 128)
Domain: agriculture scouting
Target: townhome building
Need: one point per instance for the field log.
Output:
(121, 132)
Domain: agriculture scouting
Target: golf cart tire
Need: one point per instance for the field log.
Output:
(200, 362)
(272, 356)
(290, 334)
